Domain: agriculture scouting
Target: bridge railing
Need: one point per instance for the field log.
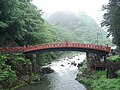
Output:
(55, 45)
(66, 45)
(11, 49)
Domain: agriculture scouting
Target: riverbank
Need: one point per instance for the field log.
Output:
(63, 77)
(16, 71)
(97, 80)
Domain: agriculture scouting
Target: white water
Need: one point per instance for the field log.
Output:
(64, 76)
(62, 79)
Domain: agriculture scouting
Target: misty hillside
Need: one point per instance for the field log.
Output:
(77, 28)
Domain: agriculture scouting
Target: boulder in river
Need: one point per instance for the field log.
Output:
(1, 87)
(73, 63)
(36, 78)
(80, 64)
(26, 78)
(47, 70)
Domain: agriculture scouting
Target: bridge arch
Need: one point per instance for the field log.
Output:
(62, 46)
(30, 51)
(67, 46)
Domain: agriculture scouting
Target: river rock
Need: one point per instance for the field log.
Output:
(36, 78)
(73, 63)
(26, 78)
(80, 64)
(1, 88)
(47, 70)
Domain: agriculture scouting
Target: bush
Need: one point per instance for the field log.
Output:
(84, 66)
(115, 58)
(8, 77)
(13, 67)
(98, 81)
(118, 72)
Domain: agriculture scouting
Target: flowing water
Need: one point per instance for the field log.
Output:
(62, 79)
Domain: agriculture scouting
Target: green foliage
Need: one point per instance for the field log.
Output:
(114, 58)
(20, 59)
(83, 68)
(3, 25)
(98, 81)
(61, 34)
(45, 58)
(111, 20)
(68, 26)
(118, 72)
(21, 22)
(3, 58)
(106, 84)
(13, 67)
(7, 73)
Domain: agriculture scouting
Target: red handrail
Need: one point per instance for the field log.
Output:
(55, 45)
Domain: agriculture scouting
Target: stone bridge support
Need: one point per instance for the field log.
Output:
(96, 61)
(32, 58)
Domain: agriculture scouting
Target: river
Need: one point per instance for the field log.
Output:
(62, 79)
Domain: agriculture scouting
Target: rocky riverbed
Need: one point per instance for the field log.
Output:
(63, 77)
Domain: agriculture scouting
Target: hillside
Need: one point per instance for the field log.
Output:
(77, 28)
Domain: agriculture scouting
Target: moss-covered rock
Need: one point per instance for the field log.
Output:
(15, 70)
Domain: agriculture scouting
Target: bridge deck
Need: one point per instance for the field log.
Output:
(54, 46)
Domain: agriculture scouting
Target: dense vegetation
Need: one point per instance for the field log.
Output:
(98, 81)
(81, 27)
(21, 23)
(111, 20)
(14, 70)
(115, 58)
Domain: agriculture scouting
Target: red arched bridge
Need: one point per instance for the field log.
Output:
(63, 46)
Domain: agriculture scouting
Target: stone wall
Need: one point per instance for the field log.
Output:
(112, 67)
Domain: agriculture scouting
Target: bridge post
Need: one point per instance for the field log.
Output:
(89, 60)
(32, 58)
(96, 61)
(34, 66)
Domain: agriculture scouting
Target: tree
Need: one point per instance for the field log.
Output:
(21, 22)
(68, 26)
(111, 20)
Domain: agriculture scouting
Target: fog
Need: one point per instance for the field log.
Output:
(90, 7)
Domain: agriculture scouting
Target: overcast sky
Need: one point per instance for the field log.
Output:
(90, 7)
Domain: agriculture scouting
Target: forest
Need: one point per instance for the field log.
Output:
(22, 24)
(101, 80)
